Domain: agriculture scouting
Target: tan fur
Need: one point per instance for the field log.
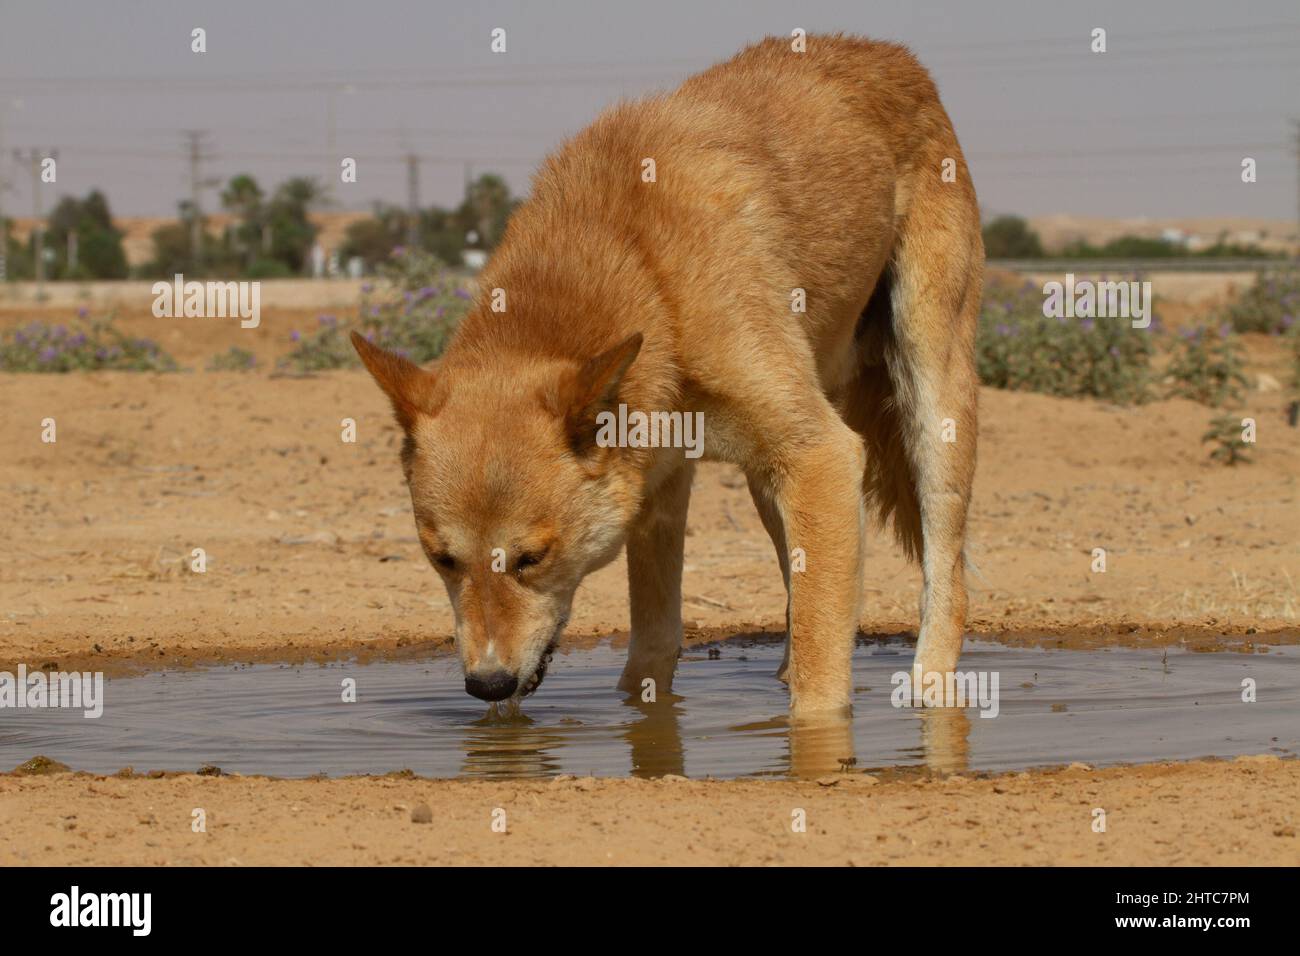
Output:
(776, 170)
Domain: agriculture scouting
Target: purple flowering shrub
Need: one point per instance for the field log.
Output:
(1206, 366)
(234, 359)
(1271, 305)
(86, 346)
(412, 312)
(1019, 348)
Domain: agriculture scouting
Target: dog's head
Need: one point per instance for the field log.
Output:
(514, 500)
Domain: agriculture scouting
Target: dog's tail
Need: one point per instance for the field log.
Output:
(874, 411)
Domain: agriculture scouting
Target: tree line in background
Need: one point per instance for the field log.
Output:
(1009, 237)
(273, 236)
(95, 253)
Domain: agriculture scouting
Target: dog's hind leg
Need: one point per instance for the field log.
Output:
(655, 547)
(771, 518)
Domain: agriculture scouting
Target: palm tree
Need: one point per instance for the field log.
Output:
(243, 197)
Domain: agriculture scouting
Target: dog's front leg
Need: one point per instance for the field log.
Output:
(820, 499)
(655, 546)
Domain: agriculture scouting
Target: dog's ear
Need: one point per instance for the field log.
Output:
(409, 387)
(593, 388)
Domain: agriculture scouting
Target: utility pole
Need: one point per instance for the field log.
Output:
(197, 155)
(4, 225)
(34, 159)
(412, 200)
(329, 120)
(1296, 124)
(331, 111)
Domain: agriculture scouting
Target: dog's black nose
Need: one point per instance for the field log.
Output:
(495, 685)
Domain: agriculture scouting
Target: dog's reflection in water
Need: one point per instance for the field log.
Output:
(826, 746)
(945, 738)
(655, 738)
(508, 743)
(820, 747)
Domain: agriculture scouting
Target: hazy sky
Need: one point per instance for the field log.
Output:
(1156, 126)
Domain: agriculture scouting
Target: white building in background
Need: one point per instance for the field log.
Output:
(317, 261)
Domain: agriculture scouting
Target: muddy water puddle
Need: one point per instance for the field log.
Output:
(726, 717)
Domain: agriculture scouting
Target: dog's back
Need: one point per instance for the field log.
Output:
(791, 170)
(772, 172)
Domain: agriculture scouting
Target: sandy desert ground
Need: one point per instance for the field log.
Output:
(1242, 813)
(312, 555)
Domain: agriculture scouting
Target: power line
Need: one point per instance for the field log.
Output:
(412, 199)
(1224, 33)
(1296, 124)
(1190, 149)
(4, 225)
(1208, 55)
(36, 158)
(480, 159)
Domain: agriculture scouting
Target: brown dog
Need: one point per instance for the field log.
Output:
(790, 244)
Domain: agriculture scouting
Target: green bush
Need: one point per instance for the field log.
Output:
(88, 346)
(1206, 366)
(1009, 237)
(412, 313)
(233, 359)
(268, 269)
(1271, 304)
(1225, 432)
(1019, 348)
(1124, 247)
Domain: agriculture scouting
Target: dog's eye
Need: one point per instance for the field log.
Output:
(445, 561)
(529, 559)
